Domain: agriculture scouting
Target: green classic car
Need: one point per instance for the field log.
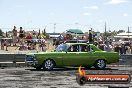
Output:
(72, 54)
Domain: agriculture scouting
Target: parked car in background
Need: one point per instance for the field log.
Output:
(72, 54)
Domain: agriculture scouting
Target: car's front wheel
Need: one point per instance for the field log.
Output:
(88, 67)
(48, 64)
(38, 67)
(100, 64)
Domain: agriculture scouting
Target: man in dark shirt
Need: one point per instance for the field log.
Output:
(117, 48)
(14, 36)
(90, 37)
(123, 49)
(21, 33)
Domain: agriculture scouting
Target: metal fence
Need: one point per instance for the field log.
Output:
(19, 60)
(12, 60)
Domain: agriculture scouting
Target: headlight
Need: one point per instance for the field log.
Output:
(30, 58)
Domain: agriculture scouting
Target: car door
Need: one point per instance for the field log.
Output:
(69, 57)
(76, 56)
(86, 55)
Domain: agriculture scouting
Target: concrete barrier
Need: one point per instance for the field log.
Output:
(12, 57)
(7, 59)
(126, 59)
(11, 60)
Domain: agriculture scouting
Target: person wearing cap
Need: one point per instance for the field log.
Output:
(14, 36)
(21, 33)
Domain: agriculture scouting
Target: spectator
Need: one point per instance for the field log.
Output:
(117, 48)
(107, 47)
(6, 44)
(57, 42)
(34, 32)
(29, 38)
(34, 37)
(96, 44)
(110, 41)
(22, 45)
(21, 33)
(2, 44)
(123, 49)
(34, 46)
(128, 51)
(101, 45)
(90, 36)
(131, 47)
(29, 46)
(42, 45)
(14, 36)
(54, 41)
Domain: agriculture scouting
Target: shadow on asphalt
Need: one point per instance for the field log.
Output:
(68, 69)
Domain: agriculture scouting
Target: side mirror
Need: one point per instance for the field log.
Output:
(91, 50)
(66, 51)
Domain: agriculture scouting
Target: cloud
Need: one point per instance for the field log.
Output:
(117, 1)
(86, 14)
(91, 7)
(125, 14)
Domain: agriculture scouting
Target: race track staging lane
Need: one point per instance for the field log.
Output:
(30, 78)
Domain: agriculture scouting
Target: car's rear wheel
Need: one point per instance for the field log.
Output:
(48, 64)
(100, 64)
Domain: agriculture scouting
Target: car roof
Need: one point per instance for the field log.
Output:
(93, 46)
(78, 43)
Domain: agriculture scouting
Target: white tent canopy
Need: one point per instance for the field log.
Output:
(123, 35)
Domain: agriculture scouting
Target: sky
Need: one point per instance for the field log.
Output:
(61, 15)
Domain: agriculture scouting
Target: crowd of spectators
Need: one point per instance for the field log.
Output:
(107, 45)
(37, 41)
(25, 41)
(122, 48)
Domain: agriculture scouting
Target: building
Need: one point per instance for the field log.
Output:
(123, 37)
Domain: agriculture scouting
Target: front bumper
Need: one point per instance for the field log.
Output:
(30, 60)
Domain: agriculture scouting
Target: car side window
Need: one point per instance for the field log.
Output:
(73, 48)
(83, 48)
(90, 49)
(80, 48)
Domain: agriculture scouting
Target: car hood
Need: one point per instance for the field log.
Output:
(45, 53)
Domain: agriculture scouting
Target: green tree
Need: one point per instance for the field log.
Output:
(120, 31)
(109, 33)
(1, 33)
(106, 34)
(44, 32)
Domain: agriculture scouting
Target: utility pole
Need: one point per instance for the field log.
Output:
(54, 27)
(128, 33)
(105, 37)
(128, 29)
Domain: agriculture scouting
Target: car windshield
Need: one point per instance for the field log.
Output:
(62, 48)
